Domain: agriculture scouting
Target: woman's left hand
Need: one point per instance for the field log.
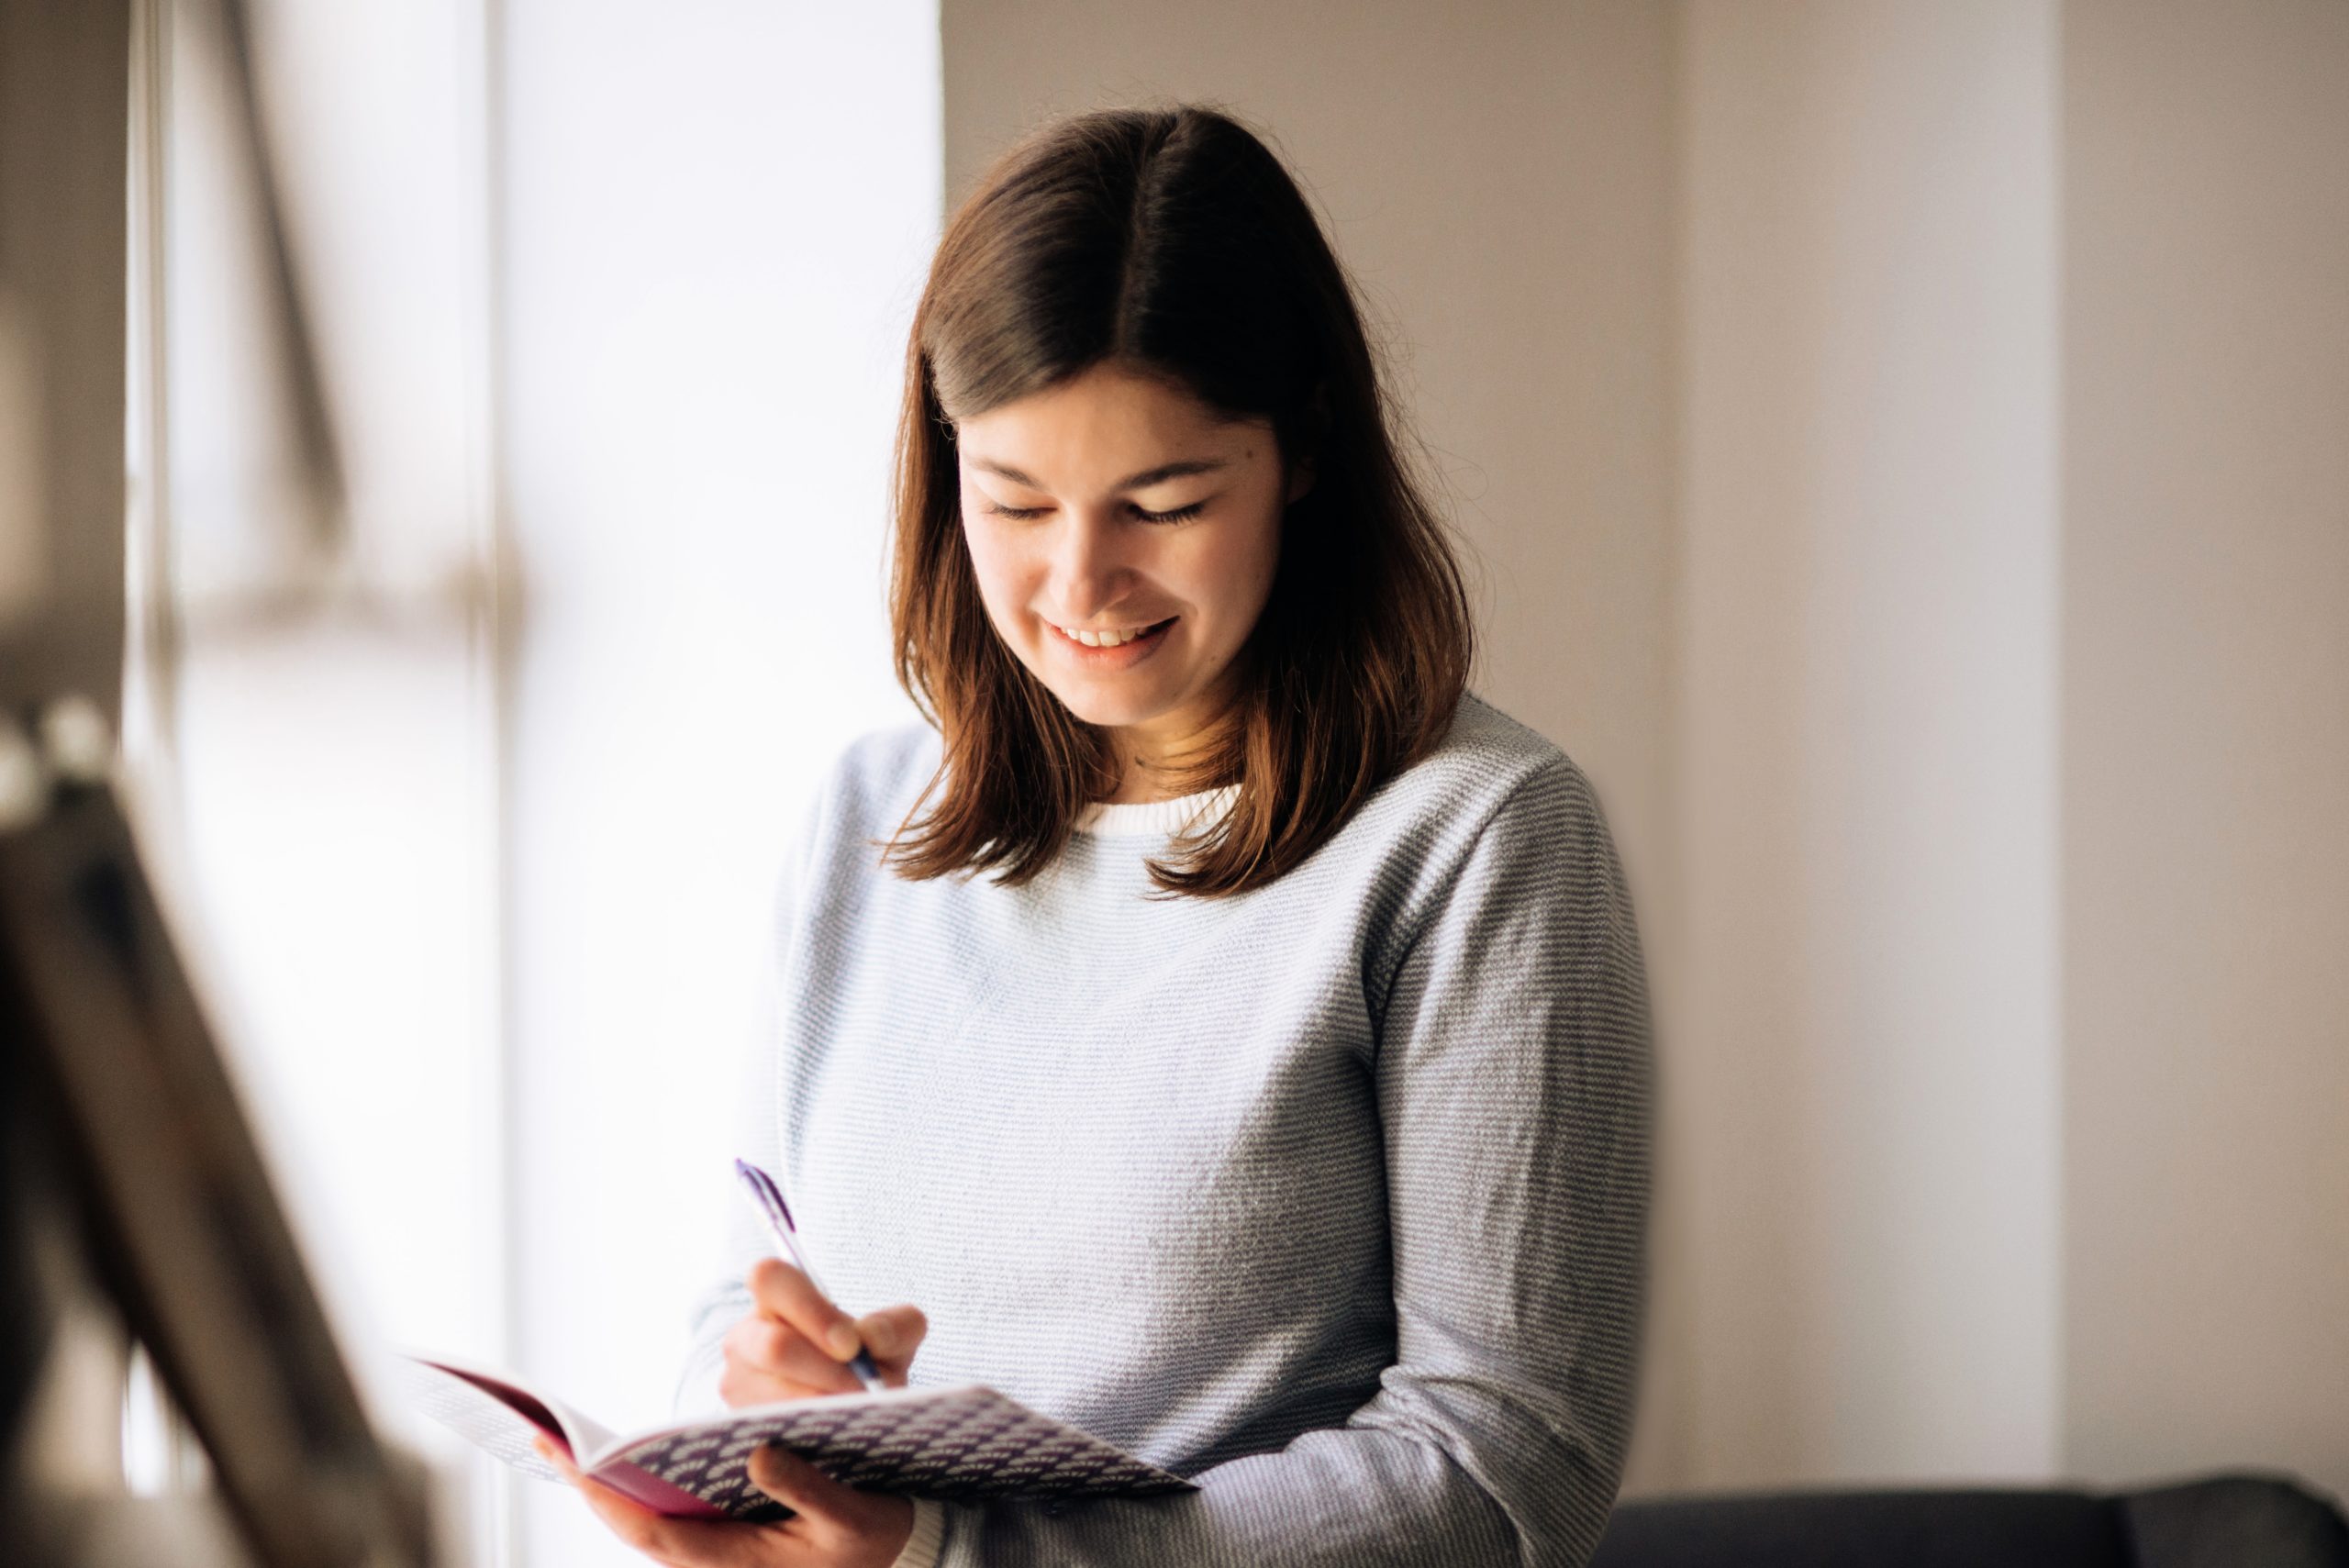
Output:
(832, 1526)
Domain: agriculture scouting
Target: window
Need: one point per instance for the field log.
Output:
(476, 796)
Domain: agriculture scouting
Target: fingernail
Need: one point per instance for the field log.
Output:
(843, 1340)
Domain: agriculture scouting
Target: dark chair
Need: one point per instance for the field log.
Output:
(2223, 1521)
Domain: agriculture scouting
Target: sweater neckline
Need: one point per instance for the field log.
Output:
(1157, 818)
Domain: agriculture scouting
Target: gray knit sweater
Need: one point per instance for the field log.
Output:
(1330, 1197)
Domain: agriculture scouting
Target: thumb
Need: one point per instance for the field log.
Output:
(787, 1478)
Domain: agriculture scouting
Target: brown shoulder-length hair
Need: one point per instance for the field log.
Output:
(1171, 242)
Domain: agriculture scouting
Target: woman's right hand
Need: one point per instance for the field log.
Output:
(795, 1344)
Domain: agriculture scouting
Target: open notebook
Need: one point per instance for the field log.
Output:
(959, 1442)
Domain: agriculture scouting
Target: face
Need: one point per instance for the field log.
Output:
(1124, 538)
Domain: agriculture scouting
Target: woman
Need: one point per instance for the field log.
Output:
(1218, 1028)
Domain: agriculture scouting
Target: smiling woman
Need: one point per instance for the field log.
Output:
(1238, 1049)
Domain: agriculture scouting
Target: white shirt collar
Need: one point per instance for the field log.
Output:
(1160, 818)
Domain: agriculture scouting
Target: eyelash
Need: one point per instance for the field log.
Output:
(1179, 514)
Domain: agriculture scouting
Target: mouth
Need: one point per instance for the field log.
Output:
(1110, 636)
(1110, 646)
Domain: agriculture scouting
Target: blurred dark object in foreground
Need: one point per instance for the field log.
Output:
(141, 1177)
(2225, 1521)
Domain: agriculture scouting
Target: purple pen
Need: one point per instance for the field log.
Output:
(767, 1198)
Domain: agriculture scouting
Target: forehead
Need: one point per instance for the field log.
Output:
(1103, 425)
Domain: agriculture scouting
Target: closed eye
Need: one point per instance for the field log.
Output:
(1179, 514)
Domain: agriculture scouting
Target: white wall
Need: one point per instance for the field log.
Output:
(1868, 1059)
(717, 218)
(2206, 770)
(1885, 604)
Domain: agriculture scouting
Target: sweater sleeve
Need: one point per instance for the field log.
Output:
(1513, 1084)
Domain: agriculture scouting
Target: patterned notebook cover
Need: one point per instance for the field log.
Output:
(967, 1442)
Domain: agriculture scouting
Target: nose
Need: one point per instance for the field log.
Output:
(1089, 571)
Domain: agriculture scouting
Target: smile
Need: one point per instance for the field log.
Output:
(1114, 638)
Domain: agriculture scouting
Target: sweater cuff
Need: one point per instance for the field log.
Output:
(929, 1531)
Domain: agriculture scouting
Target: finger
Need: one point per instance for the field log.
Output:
(893, 1334)
(789, 1295)
(554, 1453)
(742, 1388)
(777, 1354)
(758, 1344)
(789, 1479)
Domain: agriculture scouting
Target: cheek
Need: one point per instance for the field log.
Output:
(1242, 569)
(998, 568)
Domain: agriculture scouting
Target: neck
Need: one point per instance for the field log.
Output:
(1149, 768)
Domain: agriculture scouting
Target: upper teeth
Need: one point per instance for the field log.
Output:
(1101, 638)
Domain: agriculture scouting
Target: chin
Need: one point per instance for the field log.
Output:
(1108, 713)
(1107, 709)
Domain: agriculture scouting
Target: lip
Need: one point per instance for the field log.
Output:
(1122, 657)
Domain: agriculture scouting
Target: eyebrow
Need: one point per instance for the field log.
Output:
(1142, 481)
